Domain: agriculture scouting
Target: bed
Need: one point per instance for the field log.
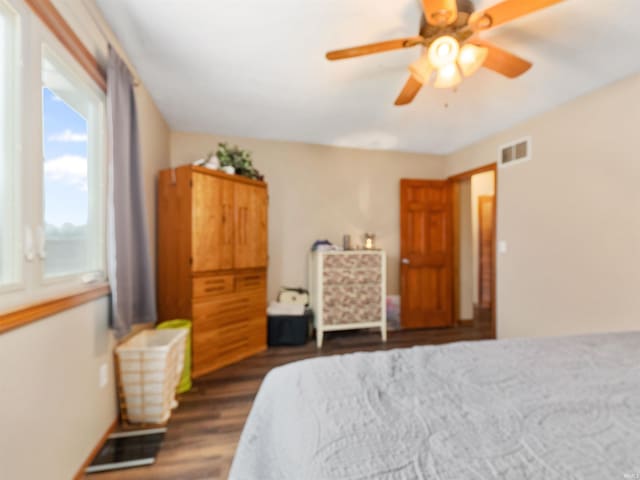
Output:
(525, 409)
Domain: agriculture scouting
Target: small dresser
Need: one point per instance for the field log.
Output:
(348, 291)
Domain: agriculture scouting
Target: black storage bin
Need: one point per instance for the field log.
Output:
(289, 329)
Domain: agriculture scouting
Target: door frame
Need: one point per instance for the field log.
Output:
(455, 220)
(482, 199)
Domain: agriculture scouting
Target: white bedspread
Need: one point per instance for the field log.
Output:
(543, 409)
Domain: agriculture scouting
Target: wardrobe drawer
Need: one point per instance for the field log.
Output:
(210, 357)
(250, 281)
(228, 327)
(219, 338)
(210, 286)
(219, 312)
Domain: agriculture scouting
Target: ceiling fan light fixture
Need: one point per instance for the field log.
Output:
(443, 51)
(448, 76)
(471, 58)
(422, 69)
(452, 49)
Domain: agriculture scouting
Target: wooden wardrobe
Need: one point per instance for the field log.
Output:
(212, 262)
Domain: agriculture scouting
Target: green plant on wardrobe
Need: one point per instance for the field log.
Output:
(239, 159)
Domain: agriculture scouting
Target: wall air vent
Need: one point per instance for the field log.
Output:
(515, 152)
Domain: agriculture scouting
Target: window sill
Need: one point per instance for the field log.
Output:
(32, 313)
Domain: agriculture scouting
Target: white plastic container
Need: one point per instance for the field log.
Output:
(150, 365)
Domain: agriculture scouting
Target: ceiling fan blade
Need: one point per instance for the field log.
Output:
(501, 61)
(374, 48)
(506, 11)
(440, 12)
(409, 92)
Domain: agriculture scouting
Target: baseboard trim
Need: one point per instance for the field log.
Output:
(465, 322)
(80, 474)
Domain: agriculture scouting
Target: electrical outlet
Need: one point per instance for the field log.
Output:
(502, 247)
(103, 376)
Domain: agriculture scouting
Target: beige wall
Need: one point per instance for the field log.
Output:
(465, 307)
(322, 192)
(569, 217)
(481, 184)
(154, 140)
(52, 410)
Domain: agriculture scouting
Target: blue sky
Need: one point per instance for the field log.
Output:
(65, 167)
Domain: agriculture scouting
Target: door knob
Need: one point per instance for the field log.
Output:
(405, 261)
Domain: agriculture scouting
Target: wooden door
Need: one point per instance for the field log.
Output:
(426, 253)
(212, 219)
(486, 252)
(250, 226)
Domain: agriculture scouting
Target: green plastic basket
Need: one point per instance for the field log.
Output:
(185, 380)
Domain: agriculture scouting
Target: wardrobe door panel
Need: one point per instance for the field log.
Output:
(250, 226)
(212, 236)
(261, 204)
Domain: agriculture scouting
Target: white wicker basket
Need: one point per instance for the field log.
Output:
(150, 364)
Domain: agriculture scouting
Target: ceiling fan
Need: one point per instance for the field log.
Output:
(449, 35)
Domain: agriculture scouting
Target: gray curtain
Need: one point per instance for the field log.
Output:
(129, 262)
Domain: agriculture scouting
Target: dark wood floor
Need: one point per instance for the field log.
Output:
(204, 430)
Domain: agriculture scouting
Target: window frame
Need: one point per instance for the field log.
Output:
(41, 27)
(96, 155)
(14, 148)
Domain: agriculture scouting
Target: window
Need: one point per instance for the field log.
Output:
(72, 222)
(9, 238)
(52, 165)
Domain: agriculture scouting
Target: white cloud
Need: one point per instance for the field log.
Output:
(70, 169)
(68, 137)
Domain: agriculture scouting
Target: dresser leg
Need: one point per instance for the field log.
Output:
(383, 332)
(319, 335)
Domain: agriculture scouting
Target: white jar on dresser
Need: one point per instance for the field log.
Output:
(348, 291)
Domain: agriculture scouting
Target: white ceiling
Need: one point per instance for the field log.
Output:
(256, 68)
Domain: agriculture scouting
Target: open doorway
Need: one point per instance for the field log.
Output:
(474, 239)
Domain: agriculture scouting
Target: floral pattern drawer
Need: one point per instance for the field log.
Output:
(344, 304)
(351, 276)
(357, 260)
